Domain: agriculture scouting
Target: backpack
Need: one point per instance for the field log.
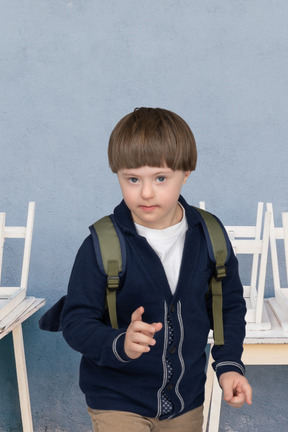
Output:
(111, 257)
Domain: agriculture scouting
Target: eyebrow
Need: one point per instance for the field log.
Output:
(133, 174)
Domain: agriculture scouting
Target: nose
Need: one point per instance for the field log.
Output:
(147, 190)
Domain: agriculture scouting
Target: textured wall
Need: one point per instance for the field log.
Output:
(69, 70)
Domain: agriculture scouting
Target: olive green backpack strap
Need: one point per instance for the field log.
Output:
(216, 240)
(110, 250)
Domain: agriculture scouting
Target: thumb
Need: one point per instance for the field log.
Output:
(137, 314)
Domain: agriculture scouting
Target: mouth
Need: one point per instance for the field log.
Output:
(148, 208)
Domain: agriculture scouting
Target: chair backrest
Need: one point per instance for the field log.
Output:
(285, 235)
(247, 240)
(257, 247)
(279, 303)
(278, 233)
(10, 297)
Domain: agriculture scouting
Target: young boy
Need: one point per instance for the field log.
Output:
(149, 375)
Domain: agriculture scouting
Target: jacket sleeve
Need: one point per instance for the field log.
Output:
(84, 321)
(228, 356)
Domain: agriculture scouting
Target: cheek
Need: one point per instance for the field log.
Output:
(129, 196)
(175, 191)
(171, 197)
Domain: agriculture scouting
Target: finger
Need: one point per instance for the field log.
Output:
(237, 398)
(228, 395)
(139, 349)
(137, 314)
(157, 326)
(142, 339)
(150, 329)
(247, 392)
(237, 401)
(142, 327)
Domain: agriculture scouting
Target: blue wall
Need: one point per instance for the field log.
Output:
(69, 70)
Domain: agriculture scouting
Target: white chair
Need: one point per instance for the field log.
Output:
(246, 240)
(279, 303)
(15, 307)
(10, 297)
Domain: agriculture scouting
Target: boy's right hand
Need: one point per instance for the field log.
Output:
(140, 335)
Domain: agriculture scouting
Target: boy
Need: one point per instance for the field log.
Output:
(149, 375)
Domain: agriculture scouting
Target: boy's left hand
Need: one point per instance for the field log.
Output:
(236, 389)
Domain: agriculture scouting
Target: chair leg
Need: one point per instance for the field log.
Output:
(215, 410)
(22, 379)
(208, 390)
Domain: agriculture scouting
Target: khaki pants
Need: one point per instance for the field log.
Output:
(121, 421)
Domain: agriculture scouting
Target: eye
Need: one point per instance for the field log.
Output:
(160, 179)
(133, 180)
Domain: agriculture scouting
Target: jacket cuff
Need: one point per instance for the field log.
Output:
(118, 348)
(229, 366)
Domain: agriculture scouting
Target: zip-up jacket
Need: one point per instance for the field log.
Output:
(173, 371)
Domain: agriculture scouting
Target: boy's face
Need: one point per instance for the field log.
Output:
(151, 194)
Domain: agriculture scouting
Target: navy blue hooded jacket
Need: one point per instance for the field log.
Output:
(108, 378)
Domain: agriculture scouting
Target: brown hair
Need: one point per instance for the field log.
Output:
(152, 137)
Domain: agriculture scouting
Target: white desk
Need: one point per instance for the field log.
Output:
(13, 322)
(265, 347)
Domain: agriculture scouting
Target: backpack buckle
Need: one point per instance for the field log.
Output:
(220, 273)
(113, 282)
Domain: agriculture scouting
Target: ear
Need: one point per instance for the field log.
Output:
(186, 175)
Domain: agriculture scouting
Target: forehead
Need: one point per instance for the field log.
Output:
(145, 171)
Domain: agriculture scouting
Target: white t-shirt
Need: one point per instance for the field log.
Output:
(168, 243)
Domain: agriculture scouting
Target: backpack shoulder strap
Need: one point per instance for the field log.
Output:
(110, 254)
(216, 240)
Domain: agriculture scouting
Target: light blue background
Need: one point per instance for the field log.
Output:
(69, 70)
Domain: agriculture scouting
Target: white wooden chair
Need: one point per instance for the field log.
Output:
(10, 297)
(246, 240)
(269, 347)
(279, 303)
(15, 307)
